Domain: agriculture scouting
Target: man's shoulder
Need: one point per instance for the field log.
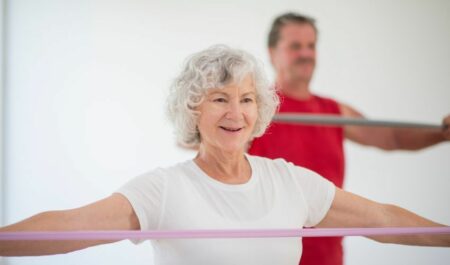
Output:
(328, 104)
(326, 99)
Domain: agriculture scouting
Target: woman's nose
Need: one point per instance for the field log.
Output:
(234, 110)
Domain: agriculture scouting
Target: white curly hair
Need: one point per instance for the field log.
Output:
(216, 67)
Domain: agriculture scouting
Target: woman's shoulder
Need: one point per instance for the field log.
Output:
(161, 174)
(269, 162)
(279, 166)
(264, 161)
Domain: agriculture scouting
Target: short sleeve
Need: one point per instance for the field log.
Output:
(146, 195)
(317, 191)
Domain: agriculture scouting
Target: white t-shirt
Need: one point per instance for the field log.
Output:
(278, 195)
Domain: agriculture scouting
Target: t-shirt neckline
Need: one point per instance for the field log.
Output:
(224, 186)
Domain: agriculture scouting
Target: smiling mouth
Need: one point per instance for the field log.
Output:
(230, 129)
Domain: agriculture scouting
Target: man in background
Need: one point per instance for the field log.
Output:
(292, 47)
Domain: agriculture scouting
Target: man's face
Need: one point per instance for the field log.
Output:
(294, 56)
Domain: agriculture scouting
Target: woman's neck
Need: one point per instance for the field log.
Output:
(226, 167)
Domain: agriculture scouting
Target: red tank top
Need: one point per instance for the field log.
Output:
(319, 148)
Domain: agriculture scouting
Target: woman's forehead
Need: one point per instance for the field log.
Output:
(232, 89)
(246, 85)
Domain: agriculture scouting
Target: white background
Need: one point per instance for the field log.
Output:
(86, 83)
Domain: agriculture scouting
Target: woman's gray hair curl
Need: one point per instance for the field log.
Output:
(216, 67)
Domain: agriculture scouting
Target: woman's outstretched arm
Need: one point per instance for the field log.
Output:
(350, 210)
(111, 213)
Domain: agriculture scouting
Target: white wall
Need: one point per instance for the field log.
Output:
(1, 108)
(2, 60)
(87, 80)
(2, 193)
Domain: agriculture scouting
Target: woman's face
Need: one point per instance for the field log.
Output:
(228, 115)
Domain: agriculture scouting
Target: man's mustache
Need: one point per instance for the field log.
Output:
(304, 61)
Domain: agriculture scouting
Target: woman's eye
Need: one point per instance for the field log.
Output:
(247, 100)
(220, 100)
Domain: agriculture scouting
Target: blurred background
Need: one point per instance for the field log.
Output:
(84, 86)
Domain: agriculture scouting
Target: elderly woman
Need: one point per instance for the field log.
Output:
(218, 103)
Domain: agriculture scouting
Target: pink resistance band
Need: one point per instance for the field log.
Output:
(227, 233)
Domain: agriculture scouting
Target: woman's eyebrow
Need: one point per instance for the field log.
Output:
(213, 93)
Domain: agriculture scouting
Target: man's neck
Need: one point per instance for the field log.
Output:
(297, 90)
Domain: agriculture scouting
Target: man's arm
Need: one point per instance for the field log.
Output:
(349, 210)
(111, 213)
(388, 138)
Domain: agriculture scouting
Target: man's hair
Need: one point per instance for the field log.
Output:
(284, 19)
